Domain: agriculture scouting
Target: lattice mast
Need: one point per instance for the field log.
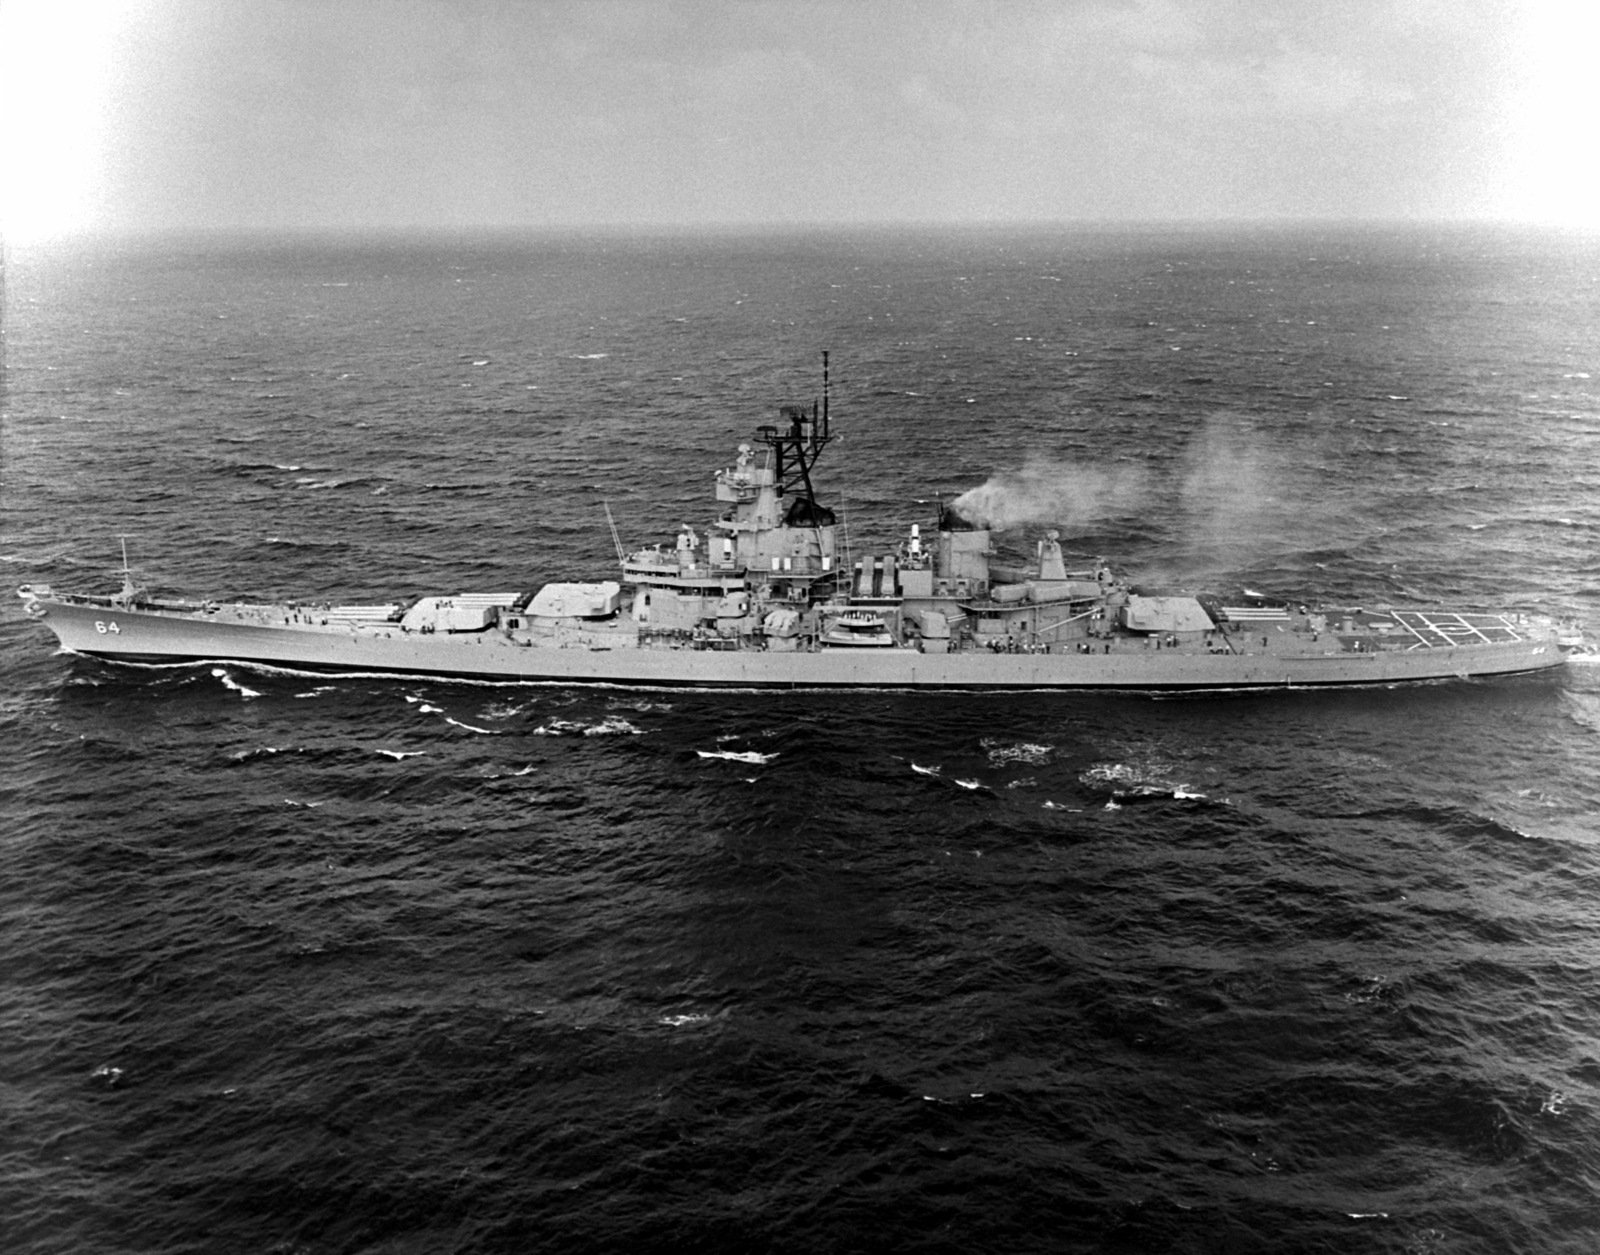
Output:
(796, 450)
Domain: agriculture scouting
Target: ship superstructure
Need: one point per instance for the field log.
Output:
(764, 597)
(767, 559)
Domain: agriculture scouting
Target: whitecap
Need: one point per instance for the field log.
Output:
(1022, 752)
(969, 784)
(469, 727)
(924, 771)
(398, 755)
(507, 775)
(1373, 989)
(558, 727)
(1126, 781)
(229, 682)
(613, 726)
(738, 756)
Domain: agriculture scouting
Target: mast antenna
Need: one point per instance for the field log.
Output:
(130, 590)
(849, 567)
(824, 395)
(615, 539)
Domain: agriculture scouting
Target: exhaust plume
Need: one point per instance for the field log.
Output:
(1067, 494)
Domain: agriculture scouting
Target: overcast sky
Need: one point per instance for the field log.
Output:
(139, 114)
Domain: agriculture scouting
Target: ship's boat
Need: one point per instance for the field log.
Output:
(856, 629)
(768, 596)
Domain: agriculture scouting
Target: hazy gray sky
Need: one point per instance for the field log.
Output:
(241, 113)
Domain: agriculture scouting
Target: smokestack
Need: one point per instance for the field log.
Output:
(951, 521)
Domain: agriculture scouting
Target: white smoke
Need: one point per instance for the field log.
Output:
(1244, 495)
(1227, 489)
(1230, 495)
(1065, 494)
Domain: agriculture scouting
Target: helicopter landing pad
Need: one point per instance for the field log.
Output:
(1436, 628)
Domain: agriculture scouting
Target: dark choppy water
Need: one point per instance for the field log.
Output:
(301, 966)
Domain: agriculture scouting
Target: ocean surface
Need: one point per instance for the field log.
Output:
(299, 965)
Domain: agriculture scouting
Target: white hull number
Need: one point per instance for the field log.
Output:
(102, 627)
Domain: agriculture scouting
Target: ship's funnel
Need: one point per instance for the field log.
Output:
(963, 550)
(950, 521)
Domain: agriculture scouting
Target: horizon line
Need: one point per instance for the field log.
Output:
(640, 230)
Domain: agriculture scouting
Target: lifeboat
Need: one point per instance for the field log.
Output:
(857, 629)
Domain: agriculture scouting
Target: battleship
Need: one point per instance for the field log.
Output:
(769, 596)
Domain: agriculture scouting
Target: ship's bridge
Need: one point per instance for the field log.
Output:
(743, 482)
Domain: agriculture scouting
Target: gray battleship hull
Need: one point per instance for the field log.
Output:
(255, 635)
(769, 598)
